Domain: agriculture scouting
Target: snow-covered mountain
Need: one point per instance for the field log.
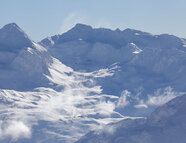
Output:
(59, 89)
(167, 124)
(84, 47)
(139, 54)
(148, 63)
(43, 100)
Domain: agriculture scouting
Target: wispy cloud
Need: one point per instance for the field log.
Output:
(140, 100)
(71, 20)
(15, 130)
(122, 101)
(162, 96)
(140, 105)
(158, 98)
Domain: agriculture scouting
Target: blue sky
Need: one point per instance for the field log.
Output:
(42, 18)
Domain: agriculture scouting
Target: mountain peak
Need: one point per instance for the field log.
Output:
(12, 27)
(82, 26)
(78, 31)
(13, 37)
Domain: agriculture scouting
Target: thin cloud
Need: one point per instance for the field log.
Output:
(161, 96)
(141, 106)
(15, 130)
(122, 101)
(71, 20)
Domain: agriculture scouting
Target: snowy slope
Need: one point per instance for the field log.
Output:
(167, 124)
(73, 106)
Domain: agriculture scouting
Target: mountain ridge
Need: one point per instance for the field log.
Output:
(87, 28)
